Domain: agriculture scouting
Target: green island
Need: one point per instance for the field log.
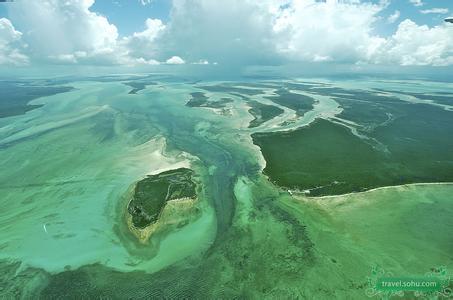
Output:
(137, 86)
(199, 99)
(262, 113)
(153, 192)
(325, 158)
(299, 103)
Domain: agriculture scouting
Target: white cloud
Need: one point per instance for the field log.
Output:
(327, 31)
(175, 60)
(143, 44)
(435, 11)
(11, 44)
(145, 2)
(417, 45)
(394, 17)
(417, 2)
(242, 32)
(233, 31)
(201, 62)
(64, 29)
(271, 31)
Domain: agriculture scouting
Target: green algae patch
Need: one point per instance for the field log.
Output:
(153, 192)
(328, 159)
(262, 113)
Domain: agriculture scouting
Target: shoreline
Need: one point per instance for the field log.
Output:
(300, 195)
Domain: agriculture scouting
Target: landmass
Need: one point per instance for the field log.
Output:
(199, 99)
(325, 158)
(137, 86)
(262, 113)
(153, 193)
(297, 102)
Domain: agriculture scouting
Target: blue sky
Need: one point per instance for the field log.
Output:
(129, 15)
(410, 11)
(226, 32)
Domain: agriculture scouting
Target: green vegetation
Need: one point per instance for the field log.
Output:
(326, 158)
(152, 193)
(262, 113)
(15, 96)
(138, 85)
(199, 99)
(299, 103)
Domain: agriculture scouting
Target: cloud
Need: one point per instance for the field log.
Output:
(435, 11)
(201, 62)
(175, 60)
(143, 45)
(65, 30)
(394, 17)
(233, 32)
(11, 45)
(327, 31)
(230, 32)
(271, 31)
(145, 2)
(417, 45)
(417, 2)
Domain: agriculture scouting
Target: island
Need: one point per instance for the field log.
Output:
(151, 195)
(297, 102)
(262, 113)
(137, 86)
(199, 99)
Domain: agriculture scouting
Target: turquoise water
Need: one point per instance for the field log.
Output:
(68, 166)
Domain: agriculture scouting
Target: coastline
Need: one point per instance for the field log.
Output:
(300, 195)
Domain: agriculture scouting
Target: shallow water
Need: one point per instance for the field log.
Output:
(67, 168)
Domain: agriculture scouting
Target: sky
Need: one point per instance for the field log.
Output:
(138, 33)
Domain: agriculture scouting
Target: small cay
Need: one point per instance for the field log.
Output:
(152, 194)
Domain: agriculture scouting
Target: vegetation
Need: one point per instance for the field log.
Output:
(326, 158)
(199, 99)
(152, 193)
(262, 113)
(138, 85)
(299, 103)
